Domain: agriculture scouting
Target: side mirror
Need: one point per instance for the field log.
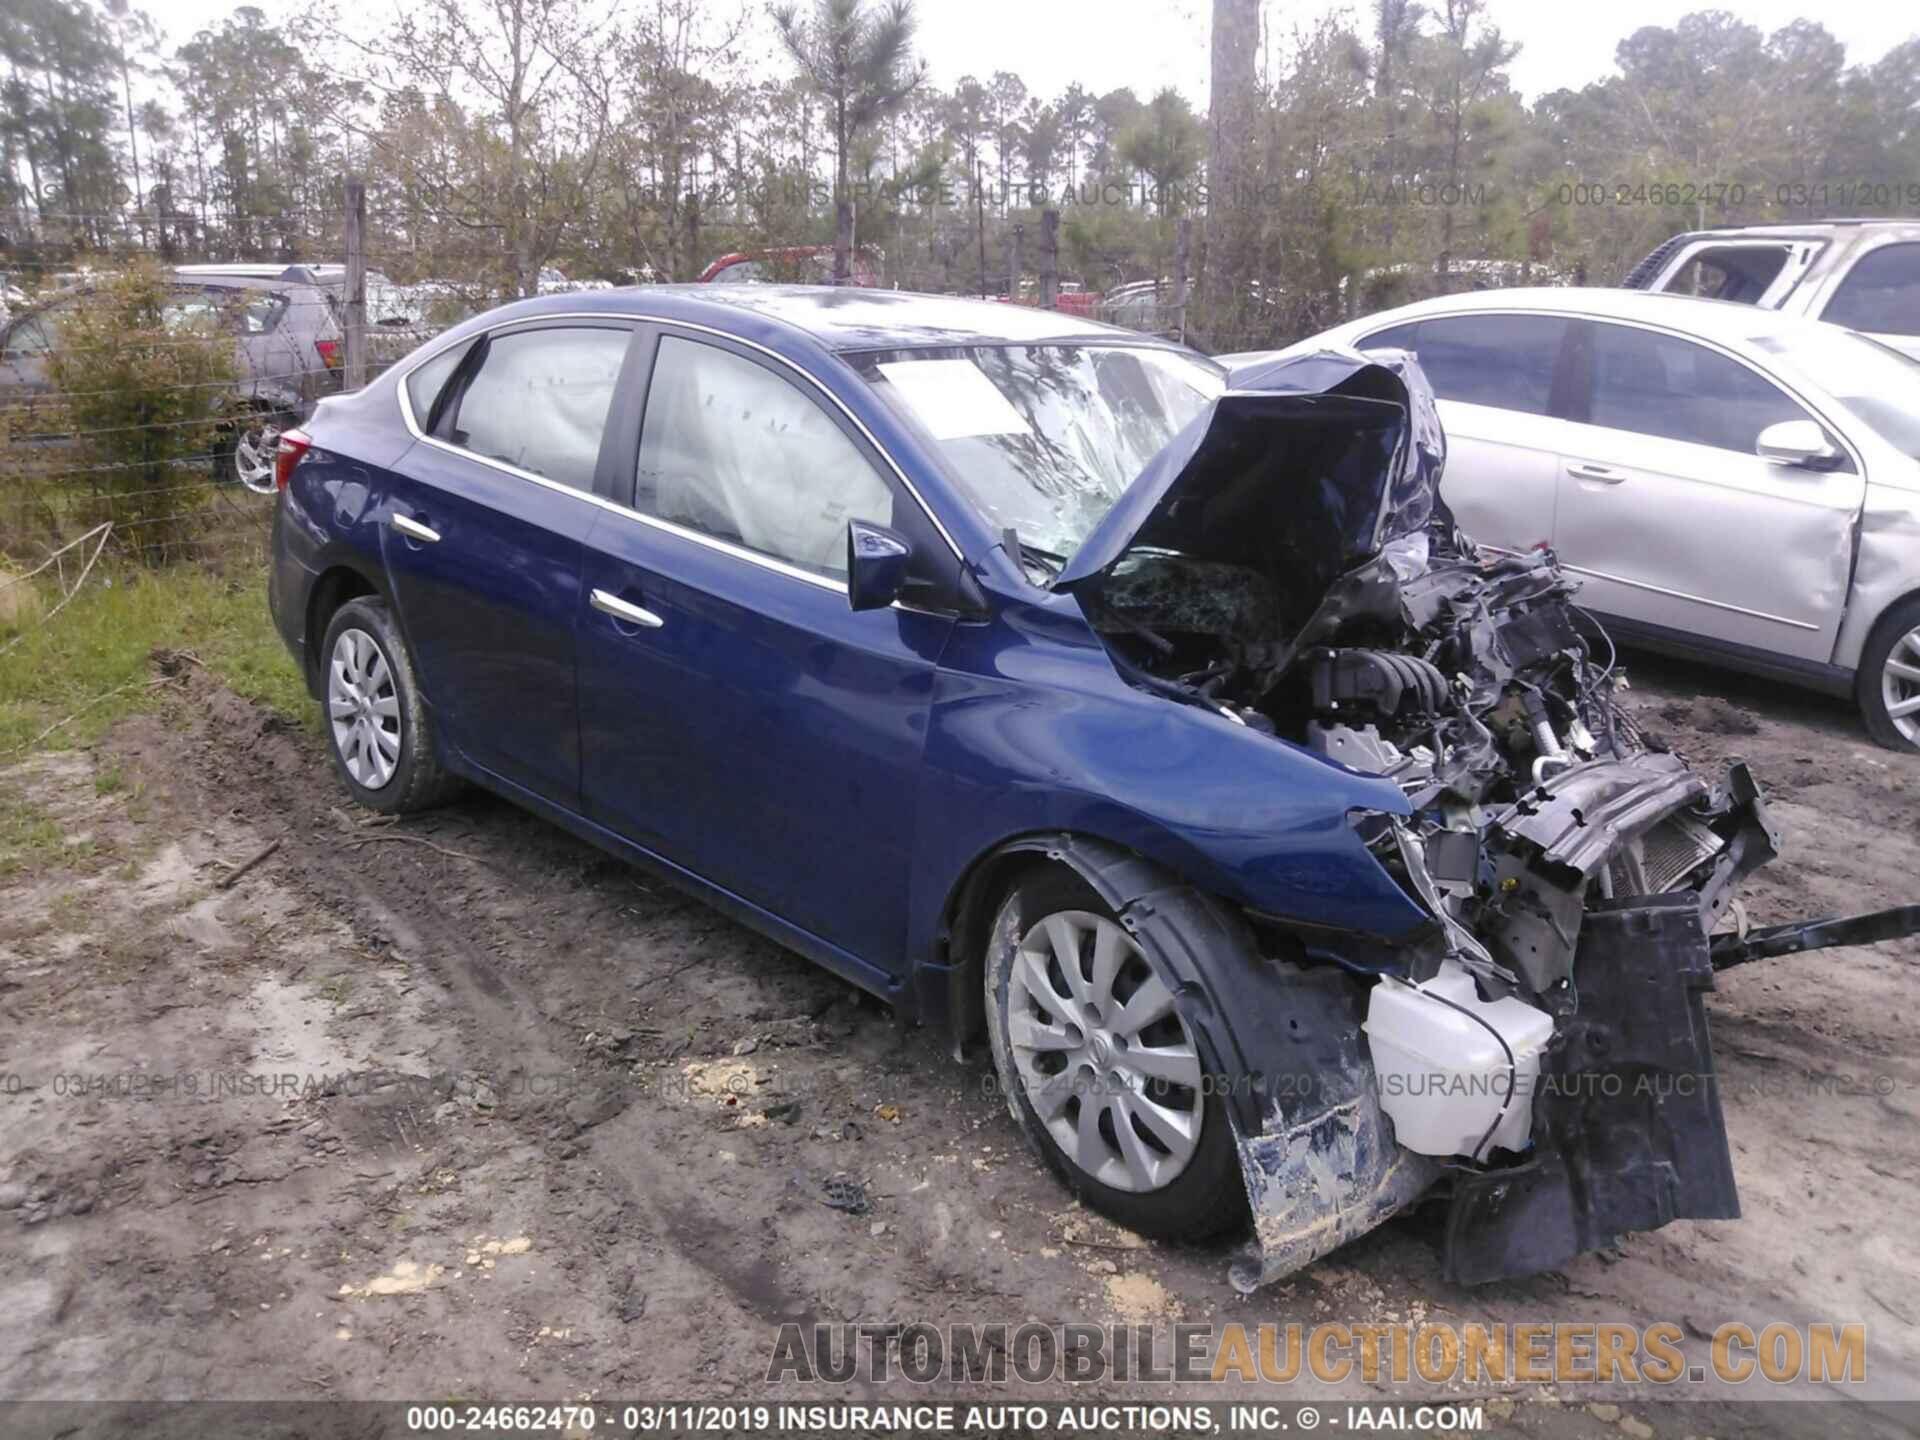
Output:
(876, 565)
(1796, 442)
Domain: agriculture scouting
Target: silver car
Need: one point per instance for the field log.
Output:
(1731, 484)
(288, 348)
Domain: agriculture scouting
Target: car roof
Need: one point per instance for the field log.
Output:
(1723, 321)
(1804, 230)
(231, 280)
(848, 318)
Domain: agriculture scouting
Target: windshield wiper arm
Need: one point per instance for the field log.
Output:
(1022, 550)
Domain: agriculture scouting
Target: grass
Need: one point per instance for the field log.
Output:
(27, 833)
(92, 661)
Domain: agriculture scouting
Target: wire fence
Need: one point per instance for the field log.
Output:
(152, 444)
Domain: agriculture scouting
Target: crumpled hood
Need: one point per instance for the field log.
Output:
(1332, 454)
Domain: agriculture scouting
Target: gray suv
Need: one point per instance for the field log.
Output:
(1863, 274)
(287, 339)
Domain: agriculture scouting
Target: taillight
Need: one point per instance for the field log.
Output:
(293, 445)
(329, 353)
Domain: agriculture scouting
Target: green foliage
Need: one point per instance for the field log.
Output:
(93, 661)
(1380, 151)
(141, 378)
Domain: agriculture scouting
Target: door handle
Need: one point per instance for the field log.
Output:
(626, 611)
(413, 529)
(1605, 474)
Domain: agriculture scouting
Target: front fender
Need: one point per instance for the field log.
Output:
(1317, 1154)
(1884, 567)
(1038, 734)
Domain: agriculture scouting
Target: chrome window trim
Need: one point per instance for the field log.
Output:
(403, 371)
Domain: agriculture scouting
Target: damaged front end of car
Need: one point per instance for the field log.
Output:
(1541, 1045)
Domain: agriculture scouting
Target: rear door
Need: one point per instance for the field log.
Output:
(1672, 520)
(737, 716)
(483, 541)
(1493, 376)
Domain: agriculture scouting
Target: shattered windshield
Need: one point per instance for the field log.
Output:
(1045, 438)
(1876, 382)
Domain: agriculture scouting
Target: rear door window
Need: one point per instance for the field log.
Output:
(1400, 337)
(1502, 361)
(1662, 385)
(1881, 293)
(539, 401)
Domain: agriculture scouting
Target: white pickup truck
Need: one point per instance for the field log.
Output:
(1863, 274)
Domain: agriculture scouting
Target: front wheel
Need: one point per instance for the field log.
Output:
(1100, 1069)
(379, 730)
(1888, 683)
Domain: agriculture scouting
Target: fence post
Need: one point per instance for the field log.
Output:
(1014, 236)
(1182, 243)
(356, 307)
(1049, 258)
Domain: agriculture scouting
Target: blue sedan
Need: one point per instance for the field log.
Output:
(1046, 681)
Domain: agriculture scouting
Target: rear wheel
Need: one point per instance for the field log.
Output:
(1888, 683)
(1100, 1069)
(379, 731)
(245, 452)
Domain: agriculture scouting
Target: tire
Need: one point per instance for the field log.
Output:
(243, 455)
(379, 731)
(1137, 1178)
(1878, 688)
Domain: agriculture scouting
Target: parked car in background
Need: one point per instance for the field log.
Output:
(1070, 297)
(793, 264)
(287, 341)
(1730, 484)
(1016, 669)
(1863, 274)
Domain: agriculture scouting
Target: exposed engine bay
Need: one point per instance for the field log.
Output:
(1472, 682)
(1542, 1047)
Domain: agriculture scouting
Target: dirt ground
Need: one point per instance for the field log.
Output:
(576, 1130)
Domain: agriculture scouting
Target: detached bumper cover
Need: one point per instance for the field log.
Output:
(1628, 1133)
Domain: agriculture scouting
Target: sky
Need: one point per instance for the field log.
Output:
(1148, 44)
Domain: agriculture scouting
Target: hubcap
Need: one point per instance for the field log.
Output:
(1900, 686)
(1104, 1058)
(363, 709)
(253, 452)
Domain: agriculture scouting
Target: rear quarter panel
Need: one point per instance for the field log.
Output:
(331, 511)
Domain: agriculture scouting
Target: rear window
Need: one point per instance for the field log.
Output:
(240, 312)
(1739, 273)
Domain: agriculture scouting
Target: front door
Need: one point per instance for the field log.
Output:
(737, 717)
(1670, 518)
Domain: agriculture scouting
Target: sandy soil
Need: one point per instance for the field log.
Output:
(573, 1132)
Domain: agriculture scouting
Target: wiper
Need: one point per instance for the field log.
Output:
(1044, 559)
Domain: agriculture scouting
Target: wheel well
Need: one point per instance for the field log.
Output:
(333, 589)
(976, 900)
